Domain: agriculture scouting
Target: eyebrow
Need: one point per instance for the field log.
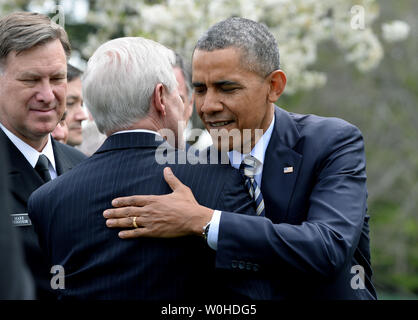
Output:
(225, 83)
(197, 84)
(217, 83)
(29, 74)
(60, 74)
(74, 97)
(34, 74)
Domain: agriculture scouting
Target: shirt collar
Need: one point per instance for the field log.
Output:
(259, 150)
(137, 130)
(31, 154)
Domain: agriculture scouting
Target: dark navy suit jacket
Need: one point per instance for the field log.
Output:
(23, 180)
(68, 217)
(316, 226)
(15, 279)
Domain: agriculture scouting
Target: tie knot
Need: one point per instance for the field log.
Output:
(250, 166)
(42, 161)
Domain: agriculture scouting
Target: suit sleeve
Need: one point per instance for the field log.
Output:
(15, 279)
(38, 217)
(326, 240)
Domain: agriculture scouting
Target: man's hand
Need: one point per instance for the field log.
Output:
(167, 216)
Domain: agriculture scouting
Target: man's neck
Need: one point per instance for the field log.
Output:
(36, 143)
(39, 145)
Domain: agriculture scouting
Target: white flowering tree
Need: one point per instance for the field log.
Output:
(300, 26)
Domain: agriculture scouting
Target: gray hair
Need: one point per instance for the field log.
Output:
(20, 31)
(258, 45)
(120, 79)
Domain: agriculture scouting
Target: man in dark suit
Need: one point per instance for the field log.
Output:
(15, 279)
(131, 107)
(305, 173)
(33, 64)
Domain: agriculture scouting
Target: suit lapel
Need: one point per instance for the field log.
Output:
(281, 167)
(62, 163)
(23, 179)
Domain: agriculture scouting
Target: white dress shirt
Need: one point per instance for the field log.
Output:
(137, 130)
(31, 154)
(235, 159)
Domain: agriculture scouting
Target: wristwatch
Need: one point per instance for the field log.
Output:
(206, 231)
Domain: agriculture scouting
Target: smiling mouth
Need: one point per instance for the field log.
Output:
(43, 111)
(219, 124)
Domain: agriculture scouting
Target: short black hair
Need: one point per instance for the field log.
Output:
(73, 73)
(260, 52)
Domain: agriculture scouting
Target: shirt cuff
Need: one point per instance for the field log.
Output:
(214, 230)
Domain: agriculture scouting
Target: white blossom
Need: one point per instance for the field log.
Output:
(395, 31)
(300, 26)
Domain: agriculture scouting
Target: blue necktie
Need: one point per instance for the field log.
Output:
(248, 169)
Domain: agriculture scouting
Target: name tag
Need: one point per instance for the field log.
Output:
(21, 220)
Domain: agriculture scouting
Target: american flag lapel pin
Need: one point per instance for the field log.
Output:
(287, 169)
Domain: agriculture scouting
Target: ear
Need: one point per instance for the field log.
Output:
(277, 84)
(158, 99)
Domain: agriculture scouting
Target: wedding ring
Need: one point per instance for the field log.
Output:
(134, 222)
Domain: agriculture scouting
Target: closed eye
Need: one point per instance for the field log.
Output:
(229, 88)
(58, 79)
(199, 89)
(28, 80)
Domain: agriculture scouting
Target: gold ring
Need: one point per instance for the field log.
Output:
(134, 222)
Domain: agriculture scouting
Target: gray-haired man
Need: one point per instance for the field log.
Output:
(130, 87)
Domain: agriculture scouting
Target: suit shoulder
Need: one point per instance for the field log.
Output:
(201, 166)
(70, 152)
(323, 128)
(311, 122)
(211, 170)
(216, 185)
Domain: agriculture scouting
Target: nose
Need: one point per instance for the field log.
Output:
(210, 103)
(45, 93)
(80, 114)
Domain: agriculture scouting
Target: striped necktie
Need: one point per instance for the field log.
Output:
(248, 169)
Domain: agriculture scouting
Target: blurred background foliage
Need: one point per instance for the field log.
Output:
(382, 102)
